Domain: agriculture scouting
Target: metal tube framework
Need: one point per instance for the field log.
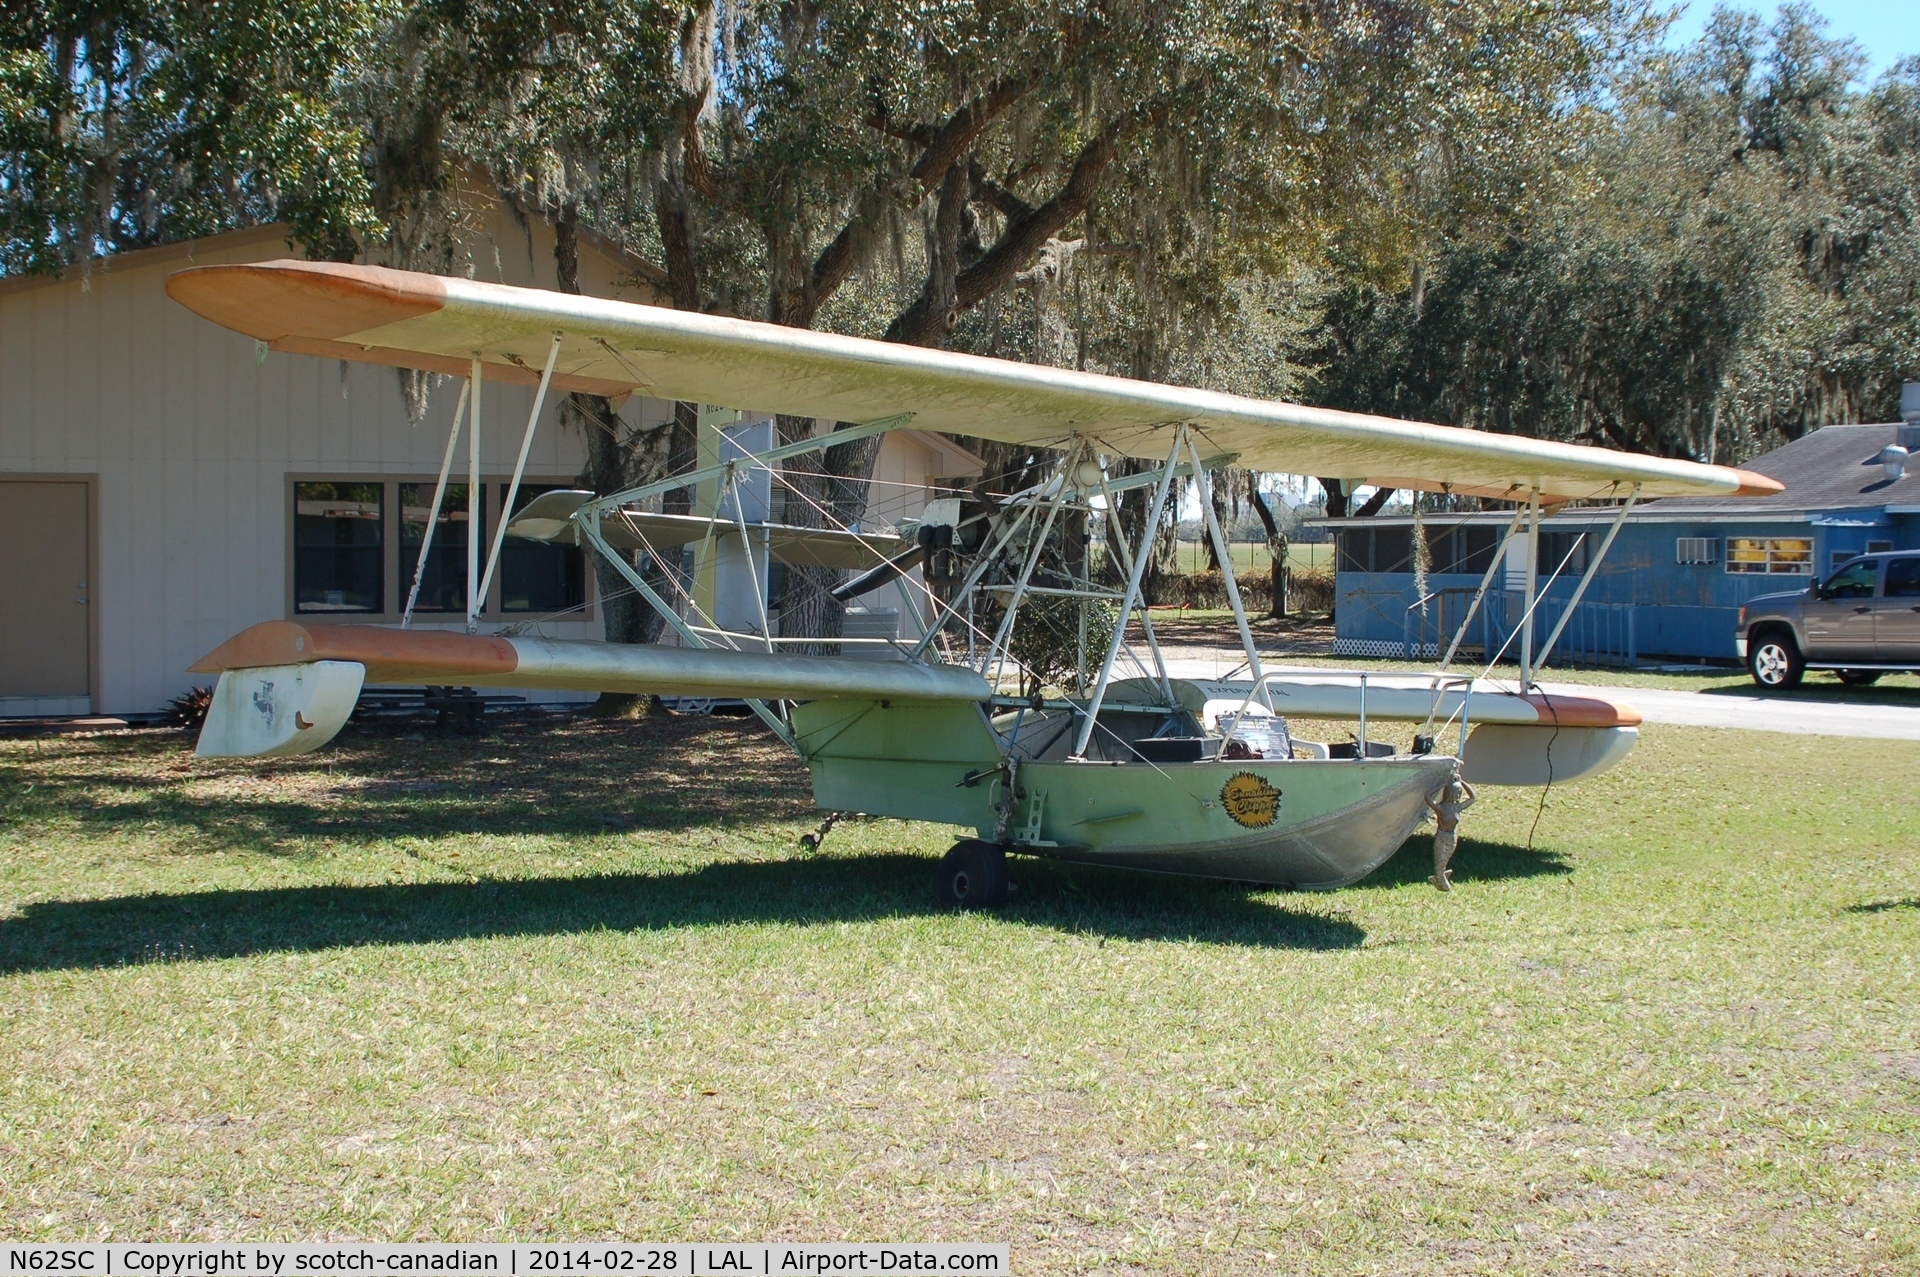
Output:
(519, 469)
(1132, 594)
(433, 515)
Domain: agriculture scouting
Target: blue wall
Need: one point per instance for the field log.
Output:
(1678, 609)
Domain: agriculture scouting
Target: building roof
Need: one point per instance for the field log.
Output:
(1832, 468)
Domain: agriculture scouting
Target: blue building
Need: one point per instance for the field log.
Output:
(1675, 578)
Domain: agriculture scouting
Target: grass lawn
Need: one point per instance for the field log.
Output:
(1253, 557)
(578, 981)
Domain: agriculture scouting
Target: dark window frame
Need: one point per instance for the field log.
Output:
(397, 567)
(328, 548)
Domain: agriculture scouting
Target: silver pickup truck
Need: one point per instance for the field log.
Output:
(1863, 621)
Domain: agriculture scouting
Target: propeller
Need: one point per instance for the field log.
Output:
(873, 578)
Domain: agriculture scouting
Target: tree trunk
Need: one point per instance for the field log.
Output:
(1374, 504)
(1336, 490)
(1217, 498)
(1276, 546)
(614, 457)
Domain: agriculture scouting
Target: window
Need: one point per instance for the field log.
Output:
(1354, 549)
(1563, 552)
(339, 547)
(538, 576)
(1879, 547)
(1465, 549)
(356, 547)
(1393, 549)
(1376, 549)
(1854, 581)
(1696, 549)
(1774, 556)
(1903, 579)
(443, 578)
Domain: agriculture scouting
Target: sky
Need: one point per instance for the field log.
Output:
(1885, 29)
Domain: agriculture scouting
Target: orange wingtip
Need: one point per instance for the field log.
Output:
(325, 301)
(1754, 484)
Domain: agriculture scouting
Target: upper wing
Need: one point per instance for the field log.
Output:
(406, 319)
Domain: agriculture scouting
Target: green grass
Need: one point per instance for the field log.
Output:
(1192, 556)
(580, 981)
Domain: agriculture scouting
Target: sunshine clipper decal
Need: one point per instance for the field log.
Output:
(1250, 800)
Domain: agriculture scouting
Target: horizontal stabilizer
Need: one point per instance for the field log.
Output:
(549, 517)
(436, 656)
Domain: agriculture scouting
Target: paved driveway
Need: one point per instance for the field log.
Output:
(1754, 712)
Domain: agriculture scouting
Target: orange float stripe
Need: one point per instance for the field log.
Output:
(1582, 711)
(390, 656)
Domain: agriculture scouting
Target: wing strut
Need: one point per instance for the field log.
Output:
(473, 498)
(433, 515)
(1132, 595)
(591, 531)
(813, 443)
(1579, 591)
(519, 469)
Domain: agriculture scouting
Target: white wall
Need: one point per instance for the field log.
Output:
(193, 436)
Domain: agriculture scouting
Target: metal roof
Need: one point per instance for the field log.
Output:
(1833, 468)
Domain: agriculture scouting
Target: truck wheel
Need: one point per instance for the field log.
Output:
(973, 875)
(1859, 678)
(1775, 662)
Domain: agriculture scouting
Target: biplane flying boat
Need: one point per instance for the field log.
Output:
(1106, 758)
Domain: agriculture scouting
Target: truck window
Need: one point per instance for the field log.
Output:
(1854, 581)
(1903, 578)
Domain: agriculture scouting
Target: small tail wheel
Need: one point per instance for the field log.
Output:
(1859, 678)
(973, 875)
(1775, 661)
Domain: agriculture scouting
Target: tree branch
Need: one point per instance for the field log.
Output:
(923, 324)
(942, 147)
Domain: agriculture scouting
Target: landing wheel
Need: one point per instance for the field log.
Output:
(1775, 662)
(1859, 678)
(973, 875)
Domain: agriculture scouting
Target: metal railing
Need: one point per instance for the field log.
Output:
(1596, 633)
(1426, 631)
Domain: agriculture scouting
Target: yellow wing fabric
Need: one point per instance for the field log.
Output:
(375, 315)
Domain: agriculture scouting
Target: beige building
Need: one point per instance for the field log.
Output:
(165, 483)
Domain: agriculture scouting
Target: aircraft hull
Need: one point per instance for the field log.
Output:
(1332, 822)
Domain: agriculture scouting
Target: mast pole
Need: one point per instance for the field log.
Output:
(474, 501)
(1223, 551)
(1532, 579)
(433, 515)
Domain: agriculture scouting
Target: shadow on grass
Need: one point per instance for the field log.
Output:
(567, 778)
(1476, 861)
(1885, 906)
(211, 925)
(1823, 693)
